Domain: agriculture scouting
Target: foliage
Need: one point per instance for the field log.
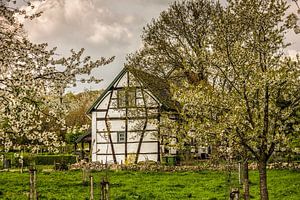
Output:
(32, 81)
(240, 92)
(73, 134)
(51, 159)
(145, 185)
(252, 94)
(177, 39)
(38, 159)
(77, 106)
(62, 166)
(76, 119)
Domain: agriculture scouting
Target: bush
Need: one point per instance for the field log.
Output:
(296, 158)
(61, 166)
(51, 159)
(39, 159)
(48, 159)
(73, 134)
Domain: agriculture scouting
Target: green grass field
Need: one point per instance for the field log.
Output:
(283, 184)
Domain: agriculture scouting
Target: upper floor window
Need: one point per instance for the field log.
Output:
(126, 98)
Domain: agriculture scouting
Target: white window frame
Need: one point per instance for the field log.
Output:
(121, 137)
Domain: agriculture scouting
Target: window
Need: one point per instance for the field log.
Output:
(126, 98)
(121, 98)
(121, 136)
(131, 98)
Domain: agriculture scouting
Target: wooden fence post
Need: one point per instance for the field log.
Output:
(92, 188)
(34, 185)
(22, 166)
(240, 173)
(104, 189)
(32, 181)
(31, 184)
(234, 194)
(85, 176)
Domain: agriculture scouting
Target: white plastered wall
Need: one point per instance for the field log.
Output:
(101, 143)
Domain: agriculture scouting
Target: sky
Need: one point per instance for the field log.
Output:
(104, 28)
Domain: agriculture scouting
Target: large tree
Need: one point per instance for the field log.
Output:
(77, 105)
(255, 86)
(240, 87)
(32, 81)
(76, 119)
(176, 44)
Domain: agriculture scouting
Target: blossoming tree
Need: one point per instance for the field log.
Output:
(32, 80)
(241, 92)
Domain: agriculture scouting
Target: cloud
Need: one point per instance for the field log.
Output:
(103, 34)
(78, 20)
(103, 27)
(107, 25)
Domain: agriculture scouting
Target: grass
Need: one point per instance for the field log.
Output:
(283, 184)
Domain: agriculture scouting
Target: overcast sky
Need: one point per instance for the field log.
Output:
(103, 27)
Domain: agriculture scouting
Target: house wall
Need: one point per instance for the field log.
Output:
(110, 119)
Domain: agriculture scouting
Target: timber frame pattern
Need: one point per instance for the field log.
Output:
(126, 118)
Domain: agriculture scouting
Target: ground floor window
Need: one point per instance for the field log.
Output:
(121, 136)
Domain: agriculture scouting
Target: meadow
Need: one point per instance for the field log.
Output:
(202, 185)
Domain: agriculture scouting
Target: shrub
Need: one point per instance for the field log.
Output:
(61, 166)
(51, 159)
(37, 159)
(73, 134)
(47, 159)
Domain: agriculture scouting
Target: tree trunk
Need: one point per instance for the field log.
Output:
(246, 180)
(262, 167)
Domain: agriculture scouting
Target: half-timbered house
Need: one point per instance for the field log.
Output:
(126, 118)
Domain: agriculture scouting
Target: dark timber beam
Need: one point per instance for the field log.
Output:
(116, 108)
(128, 142)
(128, 118)
(122, 154)
(108, 129)
(130, 131)
(158, 139)
(144, 128)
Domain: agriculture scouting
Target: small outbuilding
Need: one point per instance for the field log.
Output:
(82, 140)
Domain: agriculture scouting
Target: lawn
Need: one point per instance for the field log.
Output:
(283, 184)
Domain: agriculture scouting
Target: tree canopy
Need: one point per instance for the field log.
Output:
(237, 87)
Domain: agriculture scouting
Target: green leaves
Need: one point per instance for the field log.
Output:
(254, 89)
(228, 71)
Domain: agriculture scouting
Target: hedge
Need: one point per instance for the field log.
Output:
(42, 159)
(51, 159)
